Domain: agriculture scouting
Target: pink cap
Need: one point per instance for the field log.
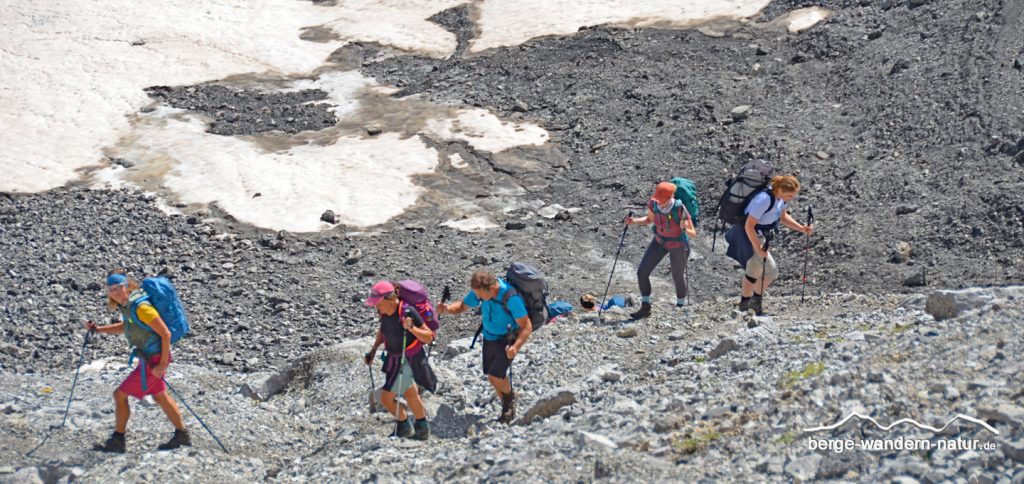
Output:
(380, 291)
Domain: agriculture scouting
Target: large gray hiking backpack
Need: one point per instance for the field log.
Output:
(752, 178)
(529, 283)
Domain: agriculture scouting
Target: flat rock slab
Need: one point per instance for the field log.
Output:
(948, 304)
(1006, 413)
(547, 405)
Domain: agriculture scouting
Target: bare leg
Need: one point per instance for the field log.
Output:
(412, 396)
(121, 411)
(388, 400)
(501, 385)
(748, 288)
(170, 408)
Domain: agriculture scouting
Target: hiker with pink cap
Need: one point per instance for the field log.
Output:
(407, 325)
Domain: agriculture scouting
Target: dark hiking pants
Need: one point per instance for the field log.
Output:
(654, 254)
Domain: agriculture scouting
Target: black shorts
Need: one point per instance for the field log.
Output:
(495, 360)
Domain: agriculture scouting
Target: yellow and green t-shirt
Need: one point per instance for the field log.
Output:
(141, 337)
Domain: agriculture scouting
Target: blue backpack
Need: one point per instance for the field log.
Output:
(160, 293)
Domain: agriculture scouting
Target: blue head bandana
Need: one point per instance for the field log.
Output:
(116, 279)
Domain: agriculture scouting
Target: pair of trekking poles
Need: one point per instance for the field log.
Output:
(803, 283)
(71, 396)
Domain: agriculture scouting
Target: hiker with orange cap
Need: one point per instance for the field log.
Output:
(673, 226)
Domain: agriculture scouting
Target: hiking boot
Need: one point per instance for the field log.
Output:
(422, 430)
(403, 429)
(755, 304)
(643, 312)
(114, 444)
(744, 304)
(508, 408)
(180, 438)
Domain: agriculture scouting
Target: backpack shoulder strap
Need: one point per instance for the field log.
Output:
(771, 200)
(509, 292)
(133, 311)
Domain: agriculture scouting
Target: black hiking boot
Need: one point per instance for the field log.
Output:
(403, 429)
(744, 304)
(755, 304)
(115, 444)
(643, 312)
(422, 429)
(180, 438)
(508, 408)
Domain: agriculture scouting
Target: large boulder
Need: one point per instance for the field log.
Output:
(947, 304)
(549, 404)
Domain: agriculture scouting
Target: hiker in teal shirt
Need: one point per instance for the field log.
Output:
(506, 325)
(496, 318)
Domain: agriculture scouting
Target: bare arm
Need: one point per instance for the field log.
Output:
(116, 328)
(645, 220)
(688, 227)
(158, 327)
(452, 308)
(790, 222)
(422, 332)
(752, 235)
(368, 357)
(525, 329)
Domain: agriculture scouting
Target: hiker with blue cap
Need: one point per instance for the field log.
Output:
(145, 330)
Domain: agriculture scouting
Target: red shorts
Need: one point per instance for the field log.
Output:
(132, 385)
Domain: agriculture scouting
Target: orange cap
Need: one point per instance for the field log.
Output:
(664, 192)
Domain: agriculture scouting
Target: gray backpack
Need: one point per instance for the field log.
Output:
(529, 283)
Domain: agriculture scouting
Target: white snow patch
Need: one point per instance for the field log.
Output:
(484, 131)
(71, 74)
(364, 181)
(342, 88)
(457, 162)
(512, 22)
(799, 20)
(398, 23)
(472, 224)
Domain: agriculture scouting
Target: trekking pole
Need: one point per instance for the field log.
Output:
(622, 241)
(445, 296)
(194, 414)
(807, 250)
(373, 384)
(507, 337)
(74, 383)
(764, 262)
(714, 237)
(401, 365)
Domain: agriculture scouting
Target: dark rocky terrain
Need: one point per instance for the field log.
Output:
(904, 120)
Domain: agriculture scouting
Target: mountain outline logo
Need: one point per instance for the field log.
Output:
(901, 421)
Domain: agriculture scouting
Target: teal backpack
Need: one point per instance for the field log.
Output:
(159, 292)
(686, 191)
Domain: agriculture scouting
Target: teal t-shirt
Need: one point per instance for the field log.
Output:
(496, 318)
